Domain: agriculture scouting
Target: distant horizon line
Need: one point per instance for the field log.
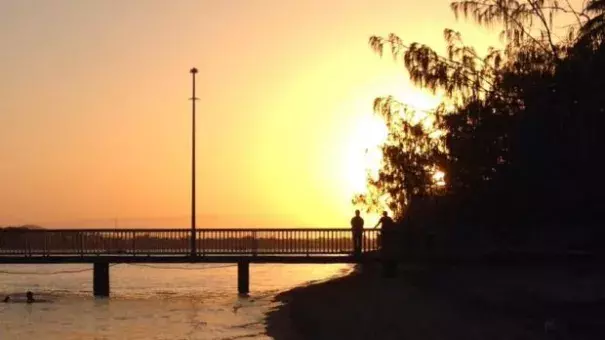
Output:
(111, 222)
(38, 227)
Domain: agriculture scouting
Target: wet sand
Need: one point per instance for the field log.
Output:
(463, 303)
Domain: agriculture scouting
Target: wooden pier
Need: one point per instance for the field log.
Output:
(102, 247)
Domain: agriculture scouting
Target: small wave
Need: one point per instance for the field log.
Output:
(163, 295)
(67, 292)
(248, 325)
(244, 336)
(24, 300)
(165, 292)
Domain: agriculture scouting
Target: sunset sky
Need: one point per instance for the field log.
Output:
(95, 124)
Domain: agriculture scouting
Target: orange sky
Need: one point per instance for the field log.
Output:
(95, 121)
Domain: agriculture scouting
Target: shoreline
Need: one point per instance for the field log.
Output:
(278, 324)
(446, 302)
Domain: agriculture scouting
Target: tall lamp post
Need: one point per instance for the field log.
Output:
(193, 99)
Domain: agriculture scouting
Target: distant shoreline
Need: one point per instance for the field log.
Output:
(24, 227)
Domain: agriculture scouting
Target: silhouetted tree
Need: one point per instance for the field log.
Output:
(522, 137)
(413, 151)
(593, 31)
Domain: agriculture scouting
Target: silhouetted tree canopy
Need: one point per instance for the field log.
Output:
(519, 135)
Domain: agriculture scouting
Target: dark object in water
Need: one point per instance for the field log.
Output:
(30, 297)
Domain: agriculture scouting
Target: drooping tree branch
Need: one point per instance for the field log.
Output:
(456, 73)
(516, 17)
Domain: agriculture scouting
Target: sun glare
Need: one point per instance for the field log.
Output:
(368, 131)
(439, 178)
(363, 152)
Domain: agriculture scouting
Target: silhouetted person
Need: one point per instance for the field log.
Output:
(386, 221)
(387, 226)
(357, 228)
(387, 246)
(30, 297)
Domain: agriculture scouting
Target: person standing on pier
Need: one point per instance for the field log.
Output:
(387, 229)
(357, 228)
(386, 221)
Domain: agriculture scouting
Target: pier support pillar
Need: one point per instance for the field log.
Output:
(243, 277)
(100, 279)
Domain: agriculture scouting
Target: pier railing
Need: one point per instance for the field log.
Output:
(124, 242)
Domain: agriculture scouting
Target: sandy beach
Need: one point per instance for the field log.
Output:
(447, 303)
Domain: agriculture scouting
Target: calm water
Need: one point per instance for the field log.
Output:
(164, 302)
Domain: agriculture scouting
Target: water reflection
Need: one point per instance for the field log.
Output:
(149, 303)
